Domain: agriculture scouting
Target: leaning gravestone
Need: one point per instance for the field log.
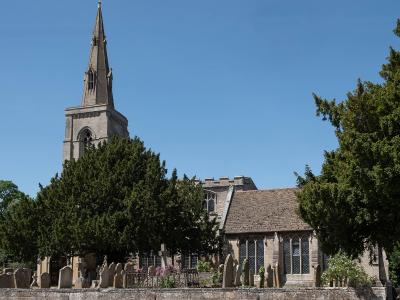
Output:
(65, 278)
(22, 278)
(6, 281)
(237, 276)
(111, 273)
(118, 280)
(228, 272)
(44, 282)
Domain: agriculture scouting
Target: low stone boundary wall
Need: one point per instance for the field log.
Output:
(378, 293)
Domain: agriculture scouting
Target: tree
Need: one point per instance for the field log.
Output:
(18, 224)
(355, 202)
(115, 200)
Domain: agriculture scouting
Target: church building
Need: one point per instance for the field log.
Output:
(260, 225)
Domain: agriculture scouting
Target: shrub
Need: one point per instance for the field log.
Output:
(217, 278)
(344, 270)
(203, 266)
(261, 273)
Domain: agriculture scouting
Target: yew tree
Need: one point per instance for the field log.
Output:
(116, 200)
(355, 202)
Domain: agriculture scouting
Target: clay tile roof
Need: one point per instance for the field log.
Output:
(264, 211)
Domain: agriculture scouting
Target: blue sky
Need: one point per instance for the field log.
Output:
(218, 87)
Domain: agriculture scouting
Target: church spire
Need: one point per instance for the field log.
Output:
(98, 76)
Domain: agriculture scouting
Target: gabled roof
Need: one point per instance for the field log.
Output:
(262, 211)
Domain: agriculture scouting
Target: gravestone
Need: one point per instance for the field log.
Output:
(251, 278)
(22, 278)
(6, 281)
(34, 283)
(245, 272)
(129, 267)
(237, 276)
(111, 273)
(164, 255)
(65, 278)
(227, 280)
(118, 268)
(276, 276)
(104, 278)
(151, 271)
(95, 284)
(44, 282)
(221, 268)
(317, 276)
(118, 280)
(268, 276)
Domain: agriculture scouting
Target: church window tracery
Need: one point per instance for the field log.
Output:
(253, 250)
(85, 140)
(296, 254)
(210, 200)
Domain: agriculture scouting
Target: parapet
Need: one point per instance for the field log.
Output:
(239, 182)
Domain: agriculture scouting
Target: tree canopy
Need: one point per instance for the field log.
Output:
(355, 202)
(18, 225)
(117, 200)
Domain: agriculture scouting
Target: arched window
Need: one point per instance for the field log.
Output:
(91, 80)
(210, 200)
(85, 141)
(296, 254)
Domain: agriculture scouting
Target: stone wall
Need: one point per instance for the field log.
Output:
(196, 294)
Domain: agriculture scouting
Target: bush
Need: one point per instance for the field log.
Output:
(217, 278)
(261, 273)
(203, 266)
(345, 271)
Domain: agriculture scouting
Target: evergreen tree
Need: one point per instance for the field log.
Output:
(355, 202)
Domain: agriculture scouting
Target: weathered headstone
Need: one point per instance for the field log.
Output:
(221, 268)
(111, 273)
(237, 276)
(65, 278)
(268, 276)
(251, 278)
(129, 267)
(227, 280)
(22, 278)
(104, 278)
(164, 255)
(151, 271)
(257, 281)
(118, 280)
(276, 276)
(317, 276)
(245, 272)
(6, 281)
(34, 283)
(118, 268)
(44, 282)
(95, 284)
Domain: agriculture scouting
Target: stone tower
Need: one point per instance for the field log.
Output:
(96, 119)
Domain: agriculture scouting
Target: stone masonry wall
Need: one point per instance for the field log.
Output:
(196, 294)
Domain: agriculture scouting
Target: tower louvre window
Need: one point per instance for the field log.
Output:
(91, 80)
(85, 141)
(210, 200)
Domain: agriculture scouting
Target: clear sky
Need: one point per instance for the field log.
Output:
(218, 87)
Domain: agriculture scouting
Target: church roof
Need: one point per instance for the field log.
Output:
(264, 211)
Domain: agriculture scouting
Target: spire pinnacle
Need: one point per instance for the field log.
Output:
(98, 76)
(99, 3)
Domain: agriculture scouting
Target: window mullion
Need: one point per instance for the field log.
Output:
(291, 256)
(301, 256)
